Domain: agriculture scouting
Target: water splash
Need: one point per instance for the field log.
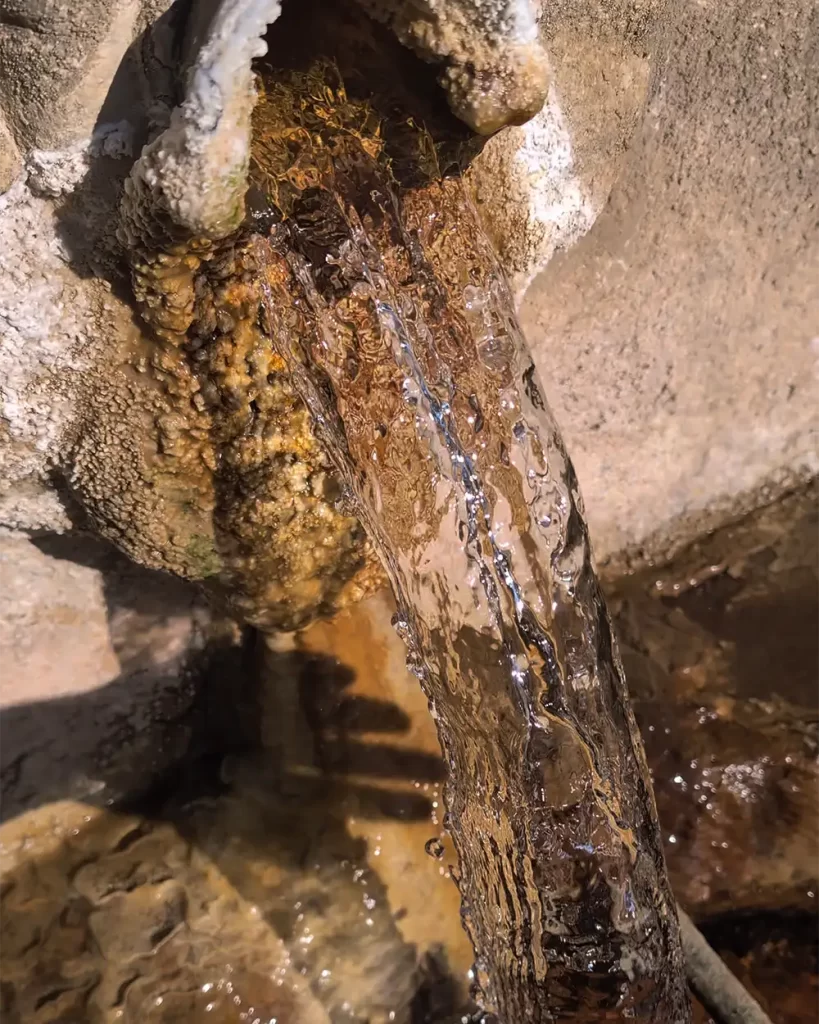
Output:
(404, 345)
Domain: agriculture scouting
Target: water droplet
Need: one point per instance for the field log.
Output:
(434, 847)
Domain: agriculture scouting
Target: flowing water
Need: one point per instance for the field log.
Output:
(387, 305)
(279, 873)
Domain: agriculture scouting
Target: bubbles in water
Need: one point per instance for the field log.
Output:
(493, 344)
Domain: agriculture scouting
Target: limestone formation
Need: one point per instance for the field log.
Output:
(194, 456)
(495, 70)
(651, 100)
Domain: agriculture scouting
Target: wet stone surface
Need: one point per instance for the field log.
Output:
(110, 917)
(720, 651)
(280, 871)
(278, 874)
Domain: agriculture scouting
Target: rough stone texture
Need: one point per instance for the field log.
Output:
(11, 162)
(114, 917)
(540, 186)
(677, 339)
(80, 88)
(58, 328)
(58, 61)
(495, 70)
(707, 249)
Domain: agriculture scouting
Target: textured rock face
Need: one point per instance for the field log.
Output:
(249, 500)
(675, 338)
(678, 337)
(131, 922)
(495, 69)
(192, 455)
(56, 65)
(287, 872)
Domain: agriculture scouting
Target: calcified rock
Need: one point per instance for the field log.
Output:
(246, 497)
(78, 102)
(495, 71)
(189, 183)
(237, 490)
(639, 99)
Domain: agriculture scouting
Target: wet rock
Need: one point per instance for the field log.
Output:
(266, 867)
(132, 949)
(720, 650)
(737, 797)
(135, 923)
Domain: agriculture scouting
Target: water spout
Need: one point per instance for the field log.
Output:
(393, 317)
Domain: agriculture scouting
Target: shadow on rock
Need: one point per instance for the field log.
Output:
(88, 616)
(185, 828)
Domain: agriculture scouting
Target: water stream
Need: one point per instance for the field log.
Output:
(386, 302)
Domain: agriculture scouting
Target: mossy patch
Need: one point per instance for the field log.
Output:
(203, 559)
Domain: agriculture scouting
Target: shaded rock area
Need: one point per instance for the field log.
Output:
(276, 857)
(288, 845)
(98, 667)
(720, 650)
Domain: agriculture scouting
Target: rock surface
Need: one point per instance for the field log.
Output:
(286, 858)
(128, 922)
(720, 650)
(97, 688)
(677, 340)
(706, 248)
